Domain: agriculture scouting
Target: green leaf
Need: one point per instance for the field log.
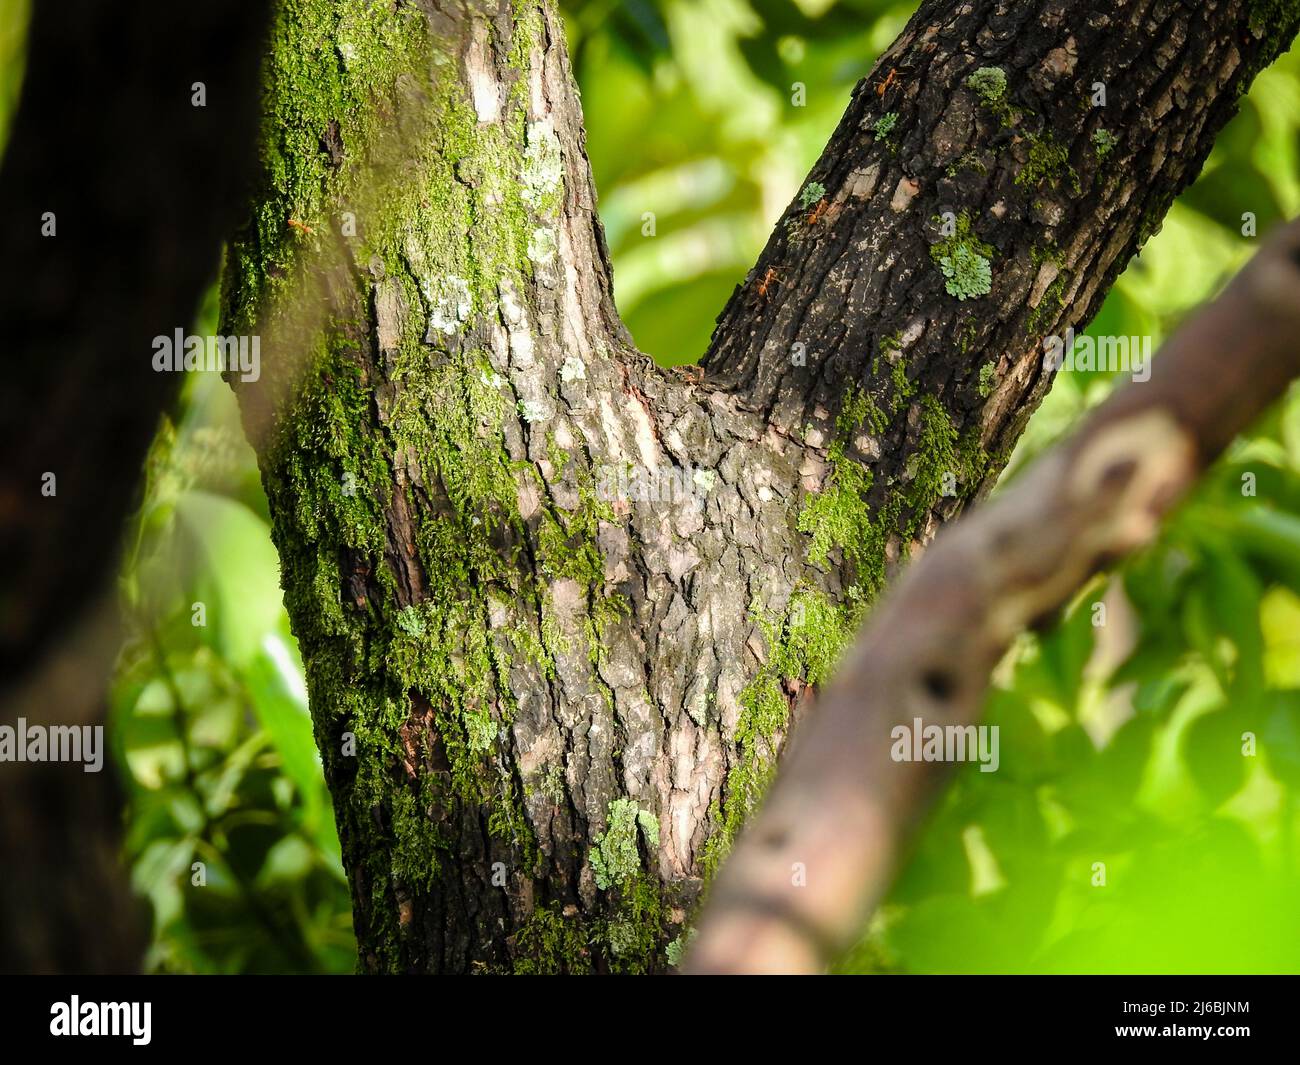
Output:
(243, 569)
(285, 718)
(1211, 747)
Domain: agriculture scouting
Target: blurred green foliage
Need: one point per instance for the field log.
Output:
(690, 119)
(1121, 744)
(1143, 818)
(230, 829)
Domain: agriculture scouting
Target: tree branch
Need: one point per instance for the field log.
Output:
(841, 806)
(1055, 185)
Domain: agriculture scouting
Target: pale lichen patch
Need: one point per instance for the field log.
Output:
(543, 173)
(705, 480)
(534, 410)
(542, 246)
(449, 304)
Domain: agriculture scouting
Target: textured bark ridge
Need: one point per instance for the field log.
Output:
(558, 607)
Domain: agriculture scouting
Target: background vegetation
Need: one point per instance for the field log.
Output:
(1121, 743)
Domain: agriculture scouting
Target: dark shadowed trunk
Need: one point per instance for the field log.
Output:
(118, 192)
(558, 607)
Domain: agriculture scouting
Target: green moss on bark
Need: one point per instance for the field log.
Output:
(379, 181)
(804, 644)
(839, 516)
(1048, 160)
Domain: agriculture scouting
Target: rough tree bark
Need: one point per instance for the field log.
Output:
(546, 703)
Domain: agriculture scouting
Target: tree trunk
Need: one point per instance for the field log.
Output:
(115, 232)
(558, 607)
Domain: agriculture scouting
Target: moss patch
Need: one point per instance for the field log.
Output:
(804, 644)
(989, 83)
(1103, 142)
(551, 944)
(616, 858)
(1048, 160)
(988, 380)
(1272, 17)
(838, 516)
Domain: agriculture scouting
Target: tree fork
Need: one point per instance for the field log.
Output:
(544, 703)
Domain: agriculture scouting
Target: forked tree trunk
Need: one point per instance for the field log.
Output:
(558, 607)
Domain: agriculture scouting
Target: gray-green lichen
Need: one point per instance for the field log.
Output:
(812, 192)
(965, 261)
(543, 167)
(677, 948)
